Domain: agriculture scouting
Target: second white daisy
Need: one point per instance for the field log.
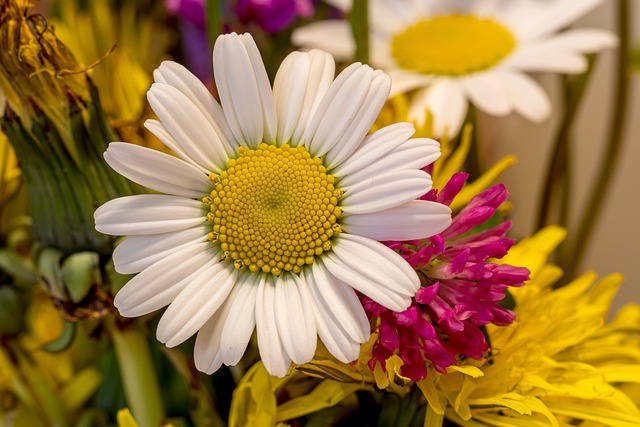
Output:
(467, 50)
(274, 209)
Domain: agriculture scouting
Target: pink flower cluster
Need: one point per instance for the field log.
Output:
(460, 292)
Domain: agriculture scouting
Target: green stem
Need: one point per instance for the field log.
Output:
(359, 19)
(473, 163)
(558, 160)
(214, 19)
(141, 385)
(574, 255)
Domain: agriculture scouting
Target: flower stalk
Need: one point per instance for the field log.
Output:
(557, 181)
(359, 19)
(138, 375)
(572, 257)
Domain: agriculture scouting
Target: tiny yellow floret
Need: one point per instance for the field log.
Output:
(273, 209)
(452, 45)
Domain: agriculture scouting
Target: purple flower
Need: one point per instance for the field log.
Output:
(273, 16)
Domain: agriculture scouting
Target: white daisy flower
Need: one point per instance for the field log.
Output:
(456, 51)
(274, 208)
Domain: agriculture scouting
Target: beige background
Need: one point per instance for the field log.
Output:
(615, 243)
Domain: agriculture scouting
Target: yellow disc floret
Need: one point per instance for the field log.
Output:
(452, 45)
(273, 209)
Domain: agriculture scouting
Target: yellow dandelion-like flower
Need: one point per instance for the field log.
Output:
(556, 363)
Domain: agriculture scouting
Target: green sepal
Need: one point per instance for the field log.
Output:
(51, 273)
(64, 340)
(115, 279)
(80, 272)
(15, 266)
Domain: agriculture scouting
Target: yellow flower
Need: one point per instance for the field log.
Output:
(125, 419)
(255, 398)
(9, 172)
(121, 46)
(556, 363)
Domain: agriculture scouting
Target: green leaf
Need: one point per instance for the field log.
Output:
(11, 309)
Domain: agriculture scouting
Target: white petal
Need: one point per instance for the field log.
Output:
(330, 325)
(182, 79)
(148, 214)
(343, 5)
(373, 269)
(244, 90)
(295, 317)
(158, 129)
(417, 219)
(241, 320)
(207, 353)
(412, 154)
(552, 15)
(534, 59)
(264, 86)
(299, 86)
(375, 146)
(447, 104)
(487, 93)
(404, 81)
(136, 253)
(188, 126)
(583, 40)
(158, 284)
(384, 191)
(337, 300)
(528, 98)
(338, 108)
(333, 36)
(389, 17)
(273, 356)
(197, 302)
(157, 171)
(363, 120)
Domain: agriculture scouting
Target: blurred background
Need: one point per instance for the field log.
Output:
(614, 245)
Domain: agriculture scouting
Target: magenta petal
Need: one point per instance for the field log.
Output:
(438, 355)
(426, 294)
(373, 308)
(452, 188)
(492, 197)
(466, 220)
(388, 334)
(407, 317)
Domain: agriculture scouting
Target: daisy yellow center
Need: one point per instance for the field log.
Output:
(273, 209)
(452, 45)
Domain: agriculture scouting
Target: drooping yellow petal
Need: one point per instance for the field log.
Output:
(327, 394)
